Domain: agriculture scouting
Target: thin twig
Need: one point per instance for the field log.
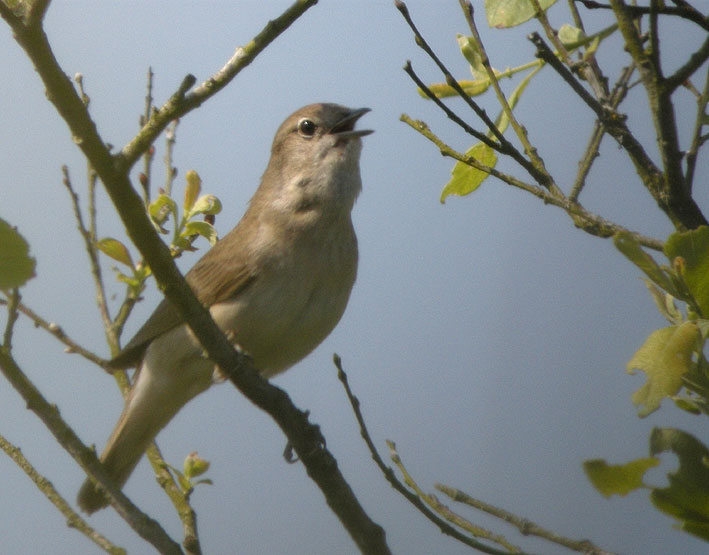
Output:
(391, 476)
(591, 152)
(692, 153)
(443, 510)
(445, 150)
(13, 302)
(56, 331)
(181, 102)
(542, 175)
(526, 527)
(146, 527)
(684, 11)
(421, 42)
(482, 137)
(589, 222)
(170, 170)
(90, 246)
(74, 520)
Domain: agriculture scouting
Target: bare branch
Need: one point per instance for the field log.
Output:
(56, 331)
(685, 72)
(591, 153)
(181, 103)
(582, 218)
(146, 527)
(305, 438)
(450, 113)
(683, 10)
(525, 526)
(391, 477)
(693, 152)
(91, 251)
(74, 520)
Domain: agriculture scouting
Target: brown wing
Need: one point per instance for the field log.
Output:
(216, 277)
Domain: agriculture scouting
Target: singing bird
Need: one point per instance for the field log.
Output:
(277, 284)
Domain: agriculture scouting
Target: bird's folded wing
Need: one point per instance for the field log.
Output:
(213, 279)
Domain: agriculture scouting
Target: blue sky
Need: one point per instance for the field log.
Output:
(487, 337)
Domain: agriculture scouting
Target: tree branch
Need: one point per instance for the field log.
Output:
(684, 11)
(56, 330)
(303, 436)
(671, 190)
(525, 526)
(391, 477)
(143, 525)
(74, 520)
(505, 147)
(181, 102)
(679, 207)
(589, 222)
(591, 153)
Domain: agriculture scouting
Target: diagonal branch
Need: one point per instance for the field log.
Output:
(74, 520)
(391, 477)
(676, 203)
(143, 525)
(305, 437)
(582, 218)
(671, 192)
(450, 113)
(685, 72)
(505, 147)
(682, 10)
(182, 102)
(591, 153)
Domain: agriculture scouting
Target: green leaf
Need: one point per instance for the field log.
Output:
(116, 250)
(194, 466)
(665, 303)
(192, 189)
(444, 90)
(664, 357)
(569, 35)
(200, 228)
(508, 13)
(16, 265)
(206, 204)
(693, 248)
(472, 53)
(464, 178)
(687, 496)
(688, 404)
(629, 246)
(502, 120)
(618, 479)
(160, 209)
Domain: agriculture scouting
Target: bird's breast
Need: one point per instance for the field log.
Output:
(296, 299)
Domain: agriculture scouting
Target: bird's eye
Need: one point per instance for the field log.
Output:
(306, 127)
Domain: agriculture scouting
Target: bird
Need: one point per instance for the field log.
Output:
(277, 284)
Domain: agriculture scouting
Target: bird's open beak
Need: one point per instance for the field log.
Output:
(345, 127)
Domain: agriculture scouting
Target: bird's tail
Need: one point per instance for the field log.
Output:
(150, 405)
